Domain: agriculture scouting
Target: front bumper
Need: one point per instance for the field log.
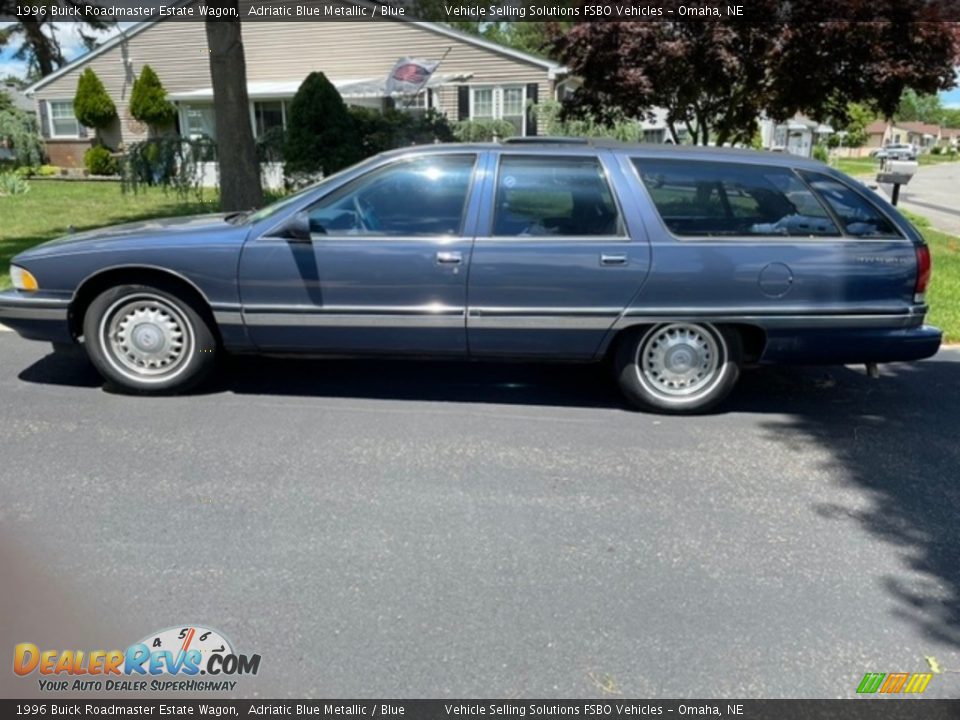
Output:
(36, 315)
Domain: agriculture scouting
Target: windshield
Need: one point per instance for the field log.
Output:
(265, 212)
(285, 202)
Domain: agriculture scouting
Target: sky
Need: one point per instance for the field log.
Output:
(73, 47)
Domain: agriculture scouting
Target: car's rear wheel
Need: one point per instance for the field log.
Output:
(679, 367)
(147, 339)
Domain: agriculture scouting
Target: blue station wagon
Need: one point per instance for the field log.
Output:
(680, 264)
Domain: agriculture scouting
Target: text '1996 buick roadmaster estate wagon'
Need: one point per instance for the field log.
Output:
(678, 263)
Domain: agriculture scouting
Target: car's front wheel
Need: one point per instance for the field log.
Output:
(679, 367)
(147, 339)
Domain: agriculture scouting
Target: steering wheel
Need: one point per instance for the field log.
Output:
(365, 215)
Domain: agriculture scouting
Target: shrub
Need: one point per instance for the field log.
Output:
(936, 150)
(482, 130)
(99, 161)
(321, 136)
(379, 131)
(92, 106)
(19, 132)
(821, 153)
(170, 161)
(13, 184)
(148, 100)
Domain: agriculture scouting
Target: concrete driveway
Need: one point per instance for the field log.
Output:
(933, 192)
(385, 528)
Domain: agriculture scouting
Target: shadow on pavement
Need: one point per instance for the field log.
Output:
(896, 439)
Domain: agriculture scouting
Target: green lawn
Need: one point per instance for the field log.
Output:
(51, 207)
(856, 166)
(870, 166)
(943, 294)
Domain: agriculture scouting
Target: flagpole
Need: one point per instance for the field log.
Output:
(426, 79)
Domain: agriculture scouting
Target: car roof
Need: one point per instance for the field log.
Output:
(580, 146)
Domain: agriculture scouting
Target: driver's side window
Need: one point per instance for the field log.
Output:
(423, 196)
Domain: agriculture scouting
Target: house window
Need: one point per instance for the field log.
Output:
(513, 107)
(500, 103)
(198, 121)
(414, 103)
(481, 106)
(63, 123)
(268, 114)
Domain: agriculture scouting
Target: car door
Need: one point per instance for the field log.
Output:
(557, 257)
(384, 269)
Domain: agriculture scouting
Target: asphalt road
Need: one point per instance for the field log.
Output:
(380, 528)
(932, 192)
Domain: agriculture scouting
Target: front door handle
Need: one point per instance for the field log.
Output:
(613, 259)
(449, 257)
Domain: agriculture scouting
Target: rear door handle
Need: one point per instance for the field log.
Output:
(449, 257)
(613, 259)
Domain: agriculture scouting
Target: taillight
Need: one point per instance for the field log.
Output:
(924, 268)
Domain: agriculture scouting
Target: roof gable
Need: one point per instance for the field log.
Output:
(552, 68)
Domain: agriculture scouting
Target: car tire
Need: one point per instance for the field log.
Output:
(678, 367)
(149, 339)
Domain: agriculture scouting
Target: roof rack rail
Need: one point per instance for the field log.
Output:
(545, 140)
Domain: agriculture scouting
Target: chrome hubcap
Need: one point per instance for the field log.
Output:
(146, 337)
(679, 361)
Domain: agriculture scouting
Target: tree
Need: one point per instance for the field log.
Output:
(239, 168)
(37, 34)
(922, 108)
(716, 78)
(321, 135)
(148, 100)
(18, 133)
(91, 104)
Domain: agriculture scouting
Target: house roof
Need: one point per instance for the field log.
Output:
(18, 97)
(553, 69)
(920, 127)
(877, 127)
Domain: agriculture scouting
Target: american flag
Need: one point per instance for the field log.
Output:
(409, 75)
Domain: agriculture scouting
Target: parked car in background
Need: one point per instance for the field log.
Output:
(896, 151)
(680, 264)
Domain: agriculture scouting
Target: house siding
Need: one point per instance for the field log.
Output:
(285, 51)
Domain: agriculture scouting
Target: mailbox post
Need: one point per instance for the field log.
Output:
(896, 173)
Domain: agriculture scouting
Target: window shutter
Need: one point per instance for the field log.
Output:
(532, 92)
(44, 119)
(463, 102)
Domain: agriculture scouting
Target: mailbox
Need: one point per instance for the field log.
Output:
(897, 172)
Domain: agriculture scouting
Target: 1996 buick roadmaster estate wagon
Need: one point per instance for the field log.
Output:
(679, 264)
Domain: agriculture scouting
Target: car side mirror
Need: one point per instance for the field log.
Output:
(296, 228)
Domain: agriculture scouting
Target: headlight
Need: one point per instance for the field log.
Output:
(22, 279)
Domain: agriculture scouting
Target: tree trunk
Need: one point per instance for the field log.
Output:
(237, 154)
(44, 52)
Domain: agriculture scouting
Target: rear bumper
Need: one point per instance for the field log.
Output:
(36, 316)
(851, 346)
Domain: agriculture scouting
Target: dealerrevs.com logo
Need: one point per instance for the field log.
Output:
(169, 660)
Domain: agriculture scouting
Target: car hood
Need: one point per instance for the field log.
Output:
(194, 227)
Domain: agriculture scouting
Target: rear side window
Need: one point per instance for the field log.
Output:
(712, 199)
(858, 216)
(554, 196)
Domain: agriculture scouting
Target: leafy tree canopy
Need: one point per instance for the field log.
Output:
(716, 78)
(37, 40)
